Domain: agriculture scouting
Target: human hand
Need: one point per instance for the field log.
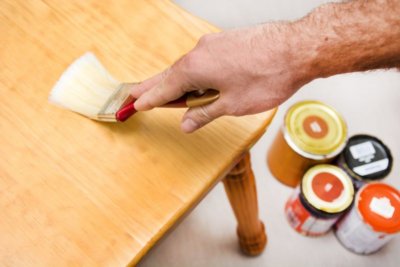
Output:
(255, 69)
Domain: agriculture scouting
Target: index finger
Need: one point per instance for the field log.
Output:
(146, 85)
(174, 82)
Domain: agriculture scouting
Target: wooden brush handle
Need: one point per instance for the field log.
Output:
(192, 99)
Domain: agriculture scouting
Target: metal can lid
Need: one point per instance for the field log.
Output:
(316, 128)
(367, 158)
(379, 206)
(327, 188)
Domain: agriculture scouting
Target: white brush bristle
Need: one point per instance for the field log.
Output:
(84, 87)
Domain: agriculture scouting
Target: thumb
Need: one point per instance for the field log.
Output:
(197, 117)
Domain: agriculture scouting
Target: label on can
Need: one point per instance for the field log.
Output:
(372, 167)
(357, 236)
(315, 127)
(367, 157)
(302, 220)
(382, 207)
(362, 150)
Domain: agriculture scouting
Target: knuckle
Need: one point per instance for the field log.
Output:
(203, 115)
(157, 95)
(204, 39)
(191, 64)
(169, 82)
(160, 95)
(166, 73)
(190, 61)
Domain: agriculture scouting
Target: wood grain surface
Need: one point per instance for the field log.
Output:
(79, 192)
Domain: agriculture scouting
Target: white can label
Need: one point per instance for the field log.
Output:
(381, 206)
(362, 150)
(302, 220)
(317, 226)
(354, 234)
(372, 167)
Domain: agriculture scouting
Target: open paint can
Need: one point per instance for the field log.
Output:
(373, 220)
(313, 133)
(365, 159)
(323, 196)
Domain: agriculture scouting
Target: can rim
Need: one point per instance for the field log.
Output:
(307, 154)
(315, 201)
(321, 214)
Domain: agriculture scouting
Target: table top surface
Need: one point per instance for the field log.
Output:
(73, 190)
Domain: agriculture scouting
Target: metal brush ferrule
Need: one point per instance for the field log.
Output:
(120, 98)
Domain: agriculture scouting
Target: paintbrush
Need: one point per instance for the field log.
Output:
(88, 89)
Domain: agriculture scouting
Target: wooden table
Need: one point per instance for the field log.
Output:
(79, 192)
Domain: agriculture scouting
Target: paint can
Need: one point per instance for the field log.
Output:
(373, 220)
(324, 195)
(313, 133)
(365, 159)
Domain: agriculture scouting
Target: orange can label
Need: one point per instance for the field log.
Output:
(315, 127)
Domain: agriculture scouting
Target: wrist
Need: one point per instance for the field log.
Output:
(294, 51)
(302, 51)
(319, 44)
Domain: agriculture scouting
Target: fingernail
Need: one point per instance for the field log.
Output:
(189, 126)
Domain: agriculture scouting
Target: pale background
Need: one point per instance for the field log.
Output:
(370, 103)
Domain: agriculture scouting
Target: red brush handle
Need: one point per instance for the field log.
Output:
(192, 99)
(126, 112)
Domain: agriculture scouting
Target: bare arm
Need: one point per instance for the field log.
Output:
(353, 36)
(259, 67)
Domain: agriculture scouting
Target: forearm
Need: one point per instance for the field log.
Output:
(348, 37)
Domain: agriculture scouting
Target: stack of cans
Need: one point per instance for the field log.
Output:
(336, 180)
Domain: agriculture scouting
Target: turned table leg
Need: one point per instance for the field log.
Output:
(240, 187)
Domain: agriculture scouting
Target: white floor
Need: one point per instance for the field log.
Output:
(370, 103)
